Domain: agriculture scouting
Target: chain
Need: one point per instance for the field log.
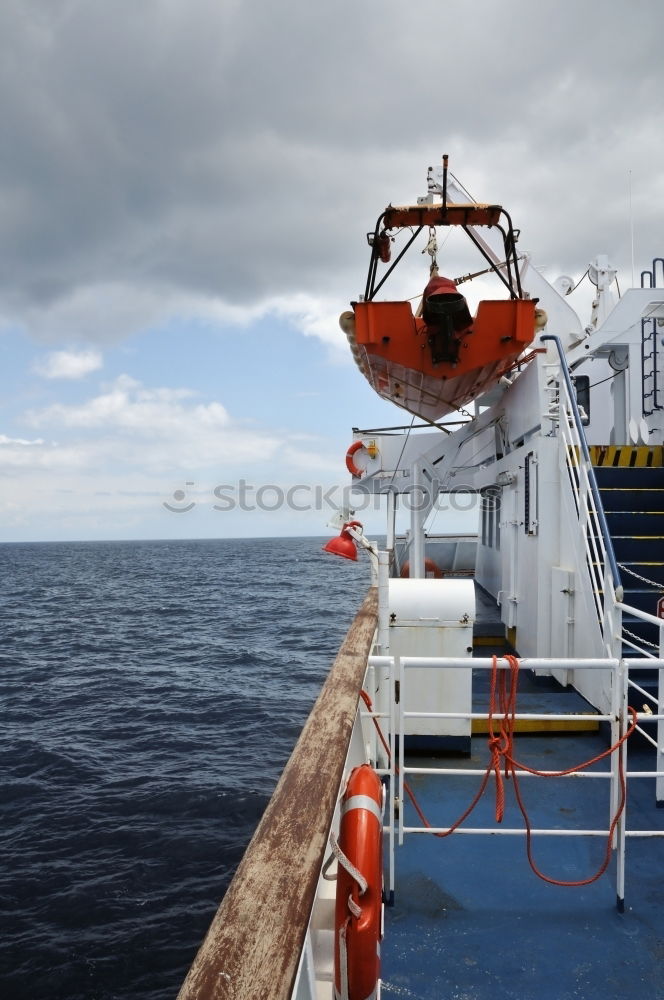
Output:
(643, 642)
(432, 249)
(651, 583)
(465, 413)
(644, 579)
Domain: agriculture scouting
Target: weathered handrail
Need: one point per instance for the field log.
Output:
(253, 946)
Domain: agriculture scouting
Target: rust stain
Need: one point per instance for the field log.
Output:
(472, 214)
(253, 945)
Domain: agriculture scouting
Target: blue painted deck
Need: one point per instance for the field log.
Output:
(471, 921)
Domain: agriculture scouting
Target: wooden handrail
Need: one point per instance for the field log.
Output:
(252, 948)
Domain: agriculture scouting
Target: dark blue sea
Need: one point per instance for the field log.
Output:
(150, 694)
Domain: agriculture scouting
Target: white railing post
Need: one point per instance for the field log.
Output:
(618, 766)
(382, 694)
(372, 690)
(659, 782)
(402, 763)
(392, 775)
(611, 617)
(383, 601)
(417, 515)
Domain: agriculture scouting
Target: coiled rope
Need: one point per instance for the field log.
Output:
(504, 765)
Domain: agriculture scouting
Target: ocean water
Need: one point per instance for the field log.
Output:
(150, 694)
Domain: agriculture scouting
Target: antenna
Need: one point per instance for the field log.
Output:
(631, 220)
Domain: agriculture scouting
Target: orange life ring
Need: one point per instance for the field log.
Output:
(350, 464)
(431, 570)
(359, 907)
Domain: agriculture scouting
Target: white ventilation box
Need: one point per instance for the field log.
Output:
(434, 618)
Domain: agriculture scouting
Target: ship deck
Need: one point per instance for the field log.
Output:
(471, 921)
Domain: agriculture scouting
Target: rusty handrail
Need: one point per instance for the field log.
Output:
(252, 948)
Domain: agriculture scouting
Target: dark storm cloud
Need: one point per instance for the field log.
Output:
(242, 149)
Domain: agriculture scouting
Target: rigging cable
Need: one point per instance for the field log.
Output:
(579, 281)
(403, 448)
(603, 380)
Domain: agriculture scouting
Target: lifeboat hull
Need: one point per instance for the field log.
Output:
(395, 354)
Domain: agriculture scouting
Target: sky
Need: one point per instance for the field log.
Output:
(185, 192)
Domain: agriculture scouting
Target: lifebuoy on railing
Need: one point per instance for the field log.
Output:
(359, 899)
(431, 570)
(350, 464)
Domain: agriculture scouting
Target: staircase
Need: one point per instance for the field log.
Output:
(633, 501)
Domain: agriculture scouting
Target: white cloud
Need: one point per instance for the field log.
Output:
(162, 430)
(18, 442)
(113, 463)
(107, 312)
(20, 456)
(69, 364)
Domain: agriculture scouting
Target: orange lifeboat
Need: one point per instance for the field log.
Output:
(358, 911)
(438, 359)
(432, 365)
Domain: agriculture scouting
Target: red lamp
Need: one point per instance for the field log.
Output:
(344, 545)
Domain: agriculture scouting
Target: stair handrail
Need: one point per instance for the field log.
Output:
(592, 480)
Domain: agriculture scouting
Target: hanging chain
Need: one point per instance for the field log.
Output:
(644, 579)
(432, 249)
(643, 642)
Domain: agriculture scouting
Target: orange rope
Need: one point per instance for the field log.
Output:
(503, 747)
(408, 789)
(503, 765)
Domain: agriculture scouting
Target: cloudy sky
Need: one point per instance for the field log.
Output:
(185, 189)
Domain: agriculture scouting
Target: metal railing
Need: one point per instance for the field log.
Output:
(617, 718)
(606, 583)
(600, 556)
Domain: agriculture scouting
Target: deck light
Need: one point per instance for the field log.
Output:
(344, 545)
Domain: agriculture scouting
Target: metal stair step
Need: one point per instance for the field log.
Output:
(635, 499)
(627, 478)
(636, 549)
(635, 523)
